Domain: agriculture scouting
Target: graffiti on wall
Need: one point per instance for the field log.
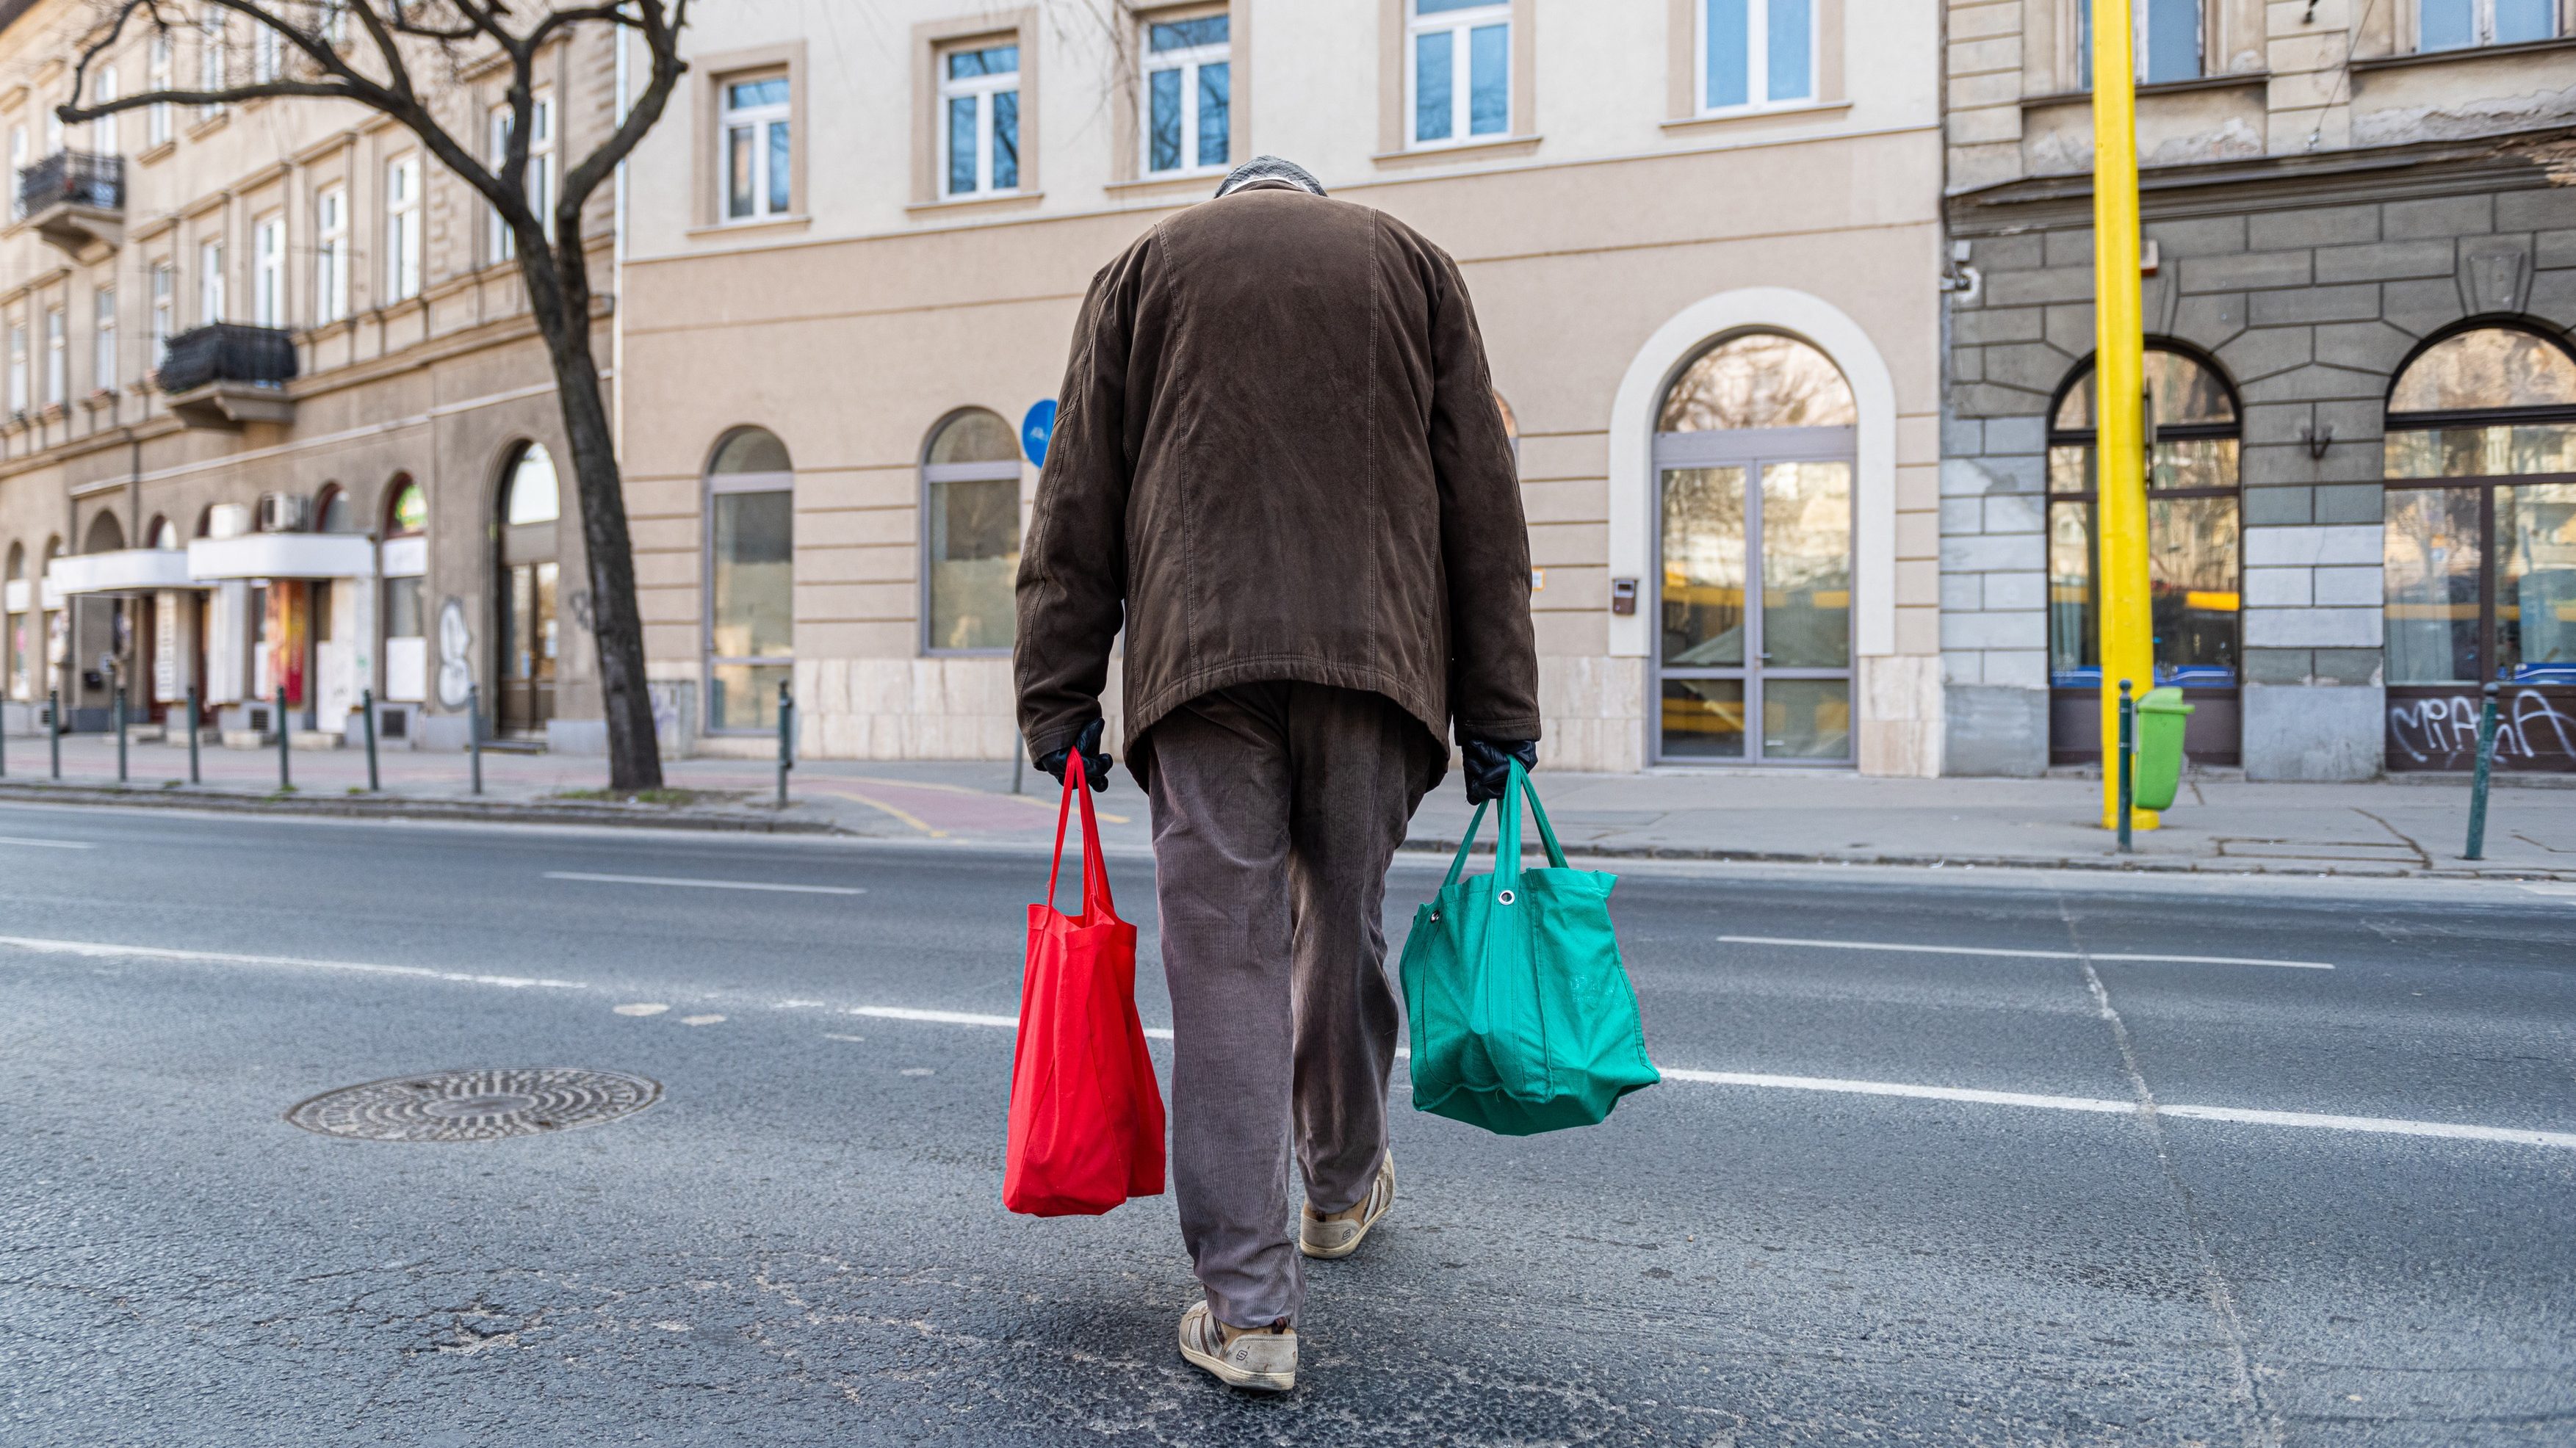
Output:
(455, 654)
(2440, 731)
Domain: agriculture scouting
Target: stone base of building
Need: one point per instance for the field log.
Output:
(2315, 732)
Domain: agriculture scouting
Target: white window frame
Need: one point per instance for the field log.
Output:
(210, 282)
(1757, 61)
(104, 138)
(402, 227)
(2484, 26)
(267, 55)
(1458, 25)
(499, 242)
(103, 344)
(165, 287)
(758, 119)
(330, 254)
(58, 356)
(156, 74)
(1187, 62)
(268, 270)
(982, 88)
(18, 367)
(211, 42)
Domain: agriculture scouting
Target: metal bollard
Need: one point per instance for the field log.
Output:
(285, 739)
(367, 707)
(2127, 761)
(54, 727)
(193, 717)
(474, 731)
(2478, 783)
(114, 685)
(786, 739)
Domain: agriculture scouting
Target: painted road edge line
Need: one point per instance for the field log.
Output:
(46, 844)
(96, 951)
(1890, 945)
(679, 882)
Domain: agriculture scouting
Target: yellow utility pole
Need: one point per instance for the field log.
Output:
(2122, 610)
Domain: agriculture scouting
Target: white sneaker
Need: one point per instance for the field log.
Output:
(1338, 1234)
(1260, 1360)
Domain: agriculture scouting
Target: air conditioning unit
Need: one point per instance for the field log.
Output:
(284, 512)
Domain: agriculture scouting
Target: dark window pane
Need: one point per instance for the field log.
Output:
(1806, 719)
(1703, 568)
(1729, 54)
(1433, 109)
(974, 558)
(1806, 565)
(2536, 583)
(752, 450)
(1216, 89)
(1761, 379)
(1187, 34)
(2173, 40)
(975, 437)
(2447, 24)
(744, 94)
(2429, 559)
(752, 539)
(2520, 20)
(1489, 104)
(961, 145)
(2490, 367)
(1164, 125)
(2192, 589)
(1006, 140)
(2073, 656)
(738, 192)
(994, 60)
(1792, 44)
(781, 170)
(1703, 718)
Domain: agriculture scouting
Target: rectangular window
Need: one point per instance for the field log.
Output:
(164, 284)
(103, 351)
(2460, 24)
(210, 283)
(58, 356)
(979, 109)
(759, 174)
(402, 228)
(266, 58)
(18, 367)
(156, 74)
(1460, 70)
(1757, 53)
(330, 254)
(210, 58)
(2165, 39)
(268, 283)
(1189, 85)
(103, 131)
(752, 628)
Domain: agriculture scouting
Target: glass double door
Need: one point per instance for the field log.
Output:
(1753, 648)
(529, 646)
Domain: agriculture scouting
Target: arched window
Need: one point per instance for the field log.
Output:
(331, 511)
(531, 492)
(106, 535)
(970, 505)
(1754, 450)
(528, 641)
(165, 535)
(2192, 549)
(408, 512)
(16, 637)
(751, 580)
(2480, 547)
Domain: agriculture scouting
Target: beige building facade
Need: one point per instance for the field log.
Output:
(276, 415)
(1704, 241)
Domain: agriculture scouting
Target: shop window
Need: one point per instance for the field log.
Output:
(1459, 70)
(2192, 523)
(758, 148)
(2461, 24)
(1754, 459)
(1757, 53)
(751, 580)
(970, 487)
(979, 120)
(2480, 544)
(16, 638)
(1189, 90)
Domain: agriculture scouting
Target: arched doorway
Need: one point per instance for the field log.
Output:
(1754, 459)
(2192, 557)
(526, 638)
(2479, 562)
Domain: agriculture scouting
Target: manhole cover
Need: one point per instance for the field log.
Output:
(476, 1105)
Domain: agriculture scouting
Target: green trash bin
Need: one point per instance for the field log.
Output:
(2161, 717)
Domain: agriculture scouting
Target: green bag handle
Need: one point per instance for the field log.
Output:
(1508, 845)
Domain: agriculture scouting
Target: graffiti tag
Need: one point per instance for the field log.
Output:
(2441, 731)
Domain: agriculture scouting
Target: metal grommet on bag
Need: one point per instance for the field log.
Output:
(1505, 898)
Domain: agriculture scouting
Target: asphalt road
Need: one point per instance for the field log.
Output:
(1887, 1196)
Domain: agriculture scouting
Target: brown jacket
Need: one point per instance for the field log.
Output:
(1277, 455)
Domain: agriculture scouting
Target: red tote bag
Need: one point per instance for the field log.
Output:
(1086, 1117)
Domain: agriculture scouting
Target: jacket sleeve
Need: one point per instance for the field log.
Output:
(1484, 539)
(1072, 586)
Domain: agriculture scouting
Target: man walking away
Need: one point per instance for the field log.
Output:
(1279, 464)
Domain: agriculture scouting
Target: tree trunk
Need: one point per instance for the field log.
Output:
(563, 316)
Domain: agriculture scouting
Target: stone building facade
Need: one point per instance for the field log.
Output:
(2336, 198)
(276, 413)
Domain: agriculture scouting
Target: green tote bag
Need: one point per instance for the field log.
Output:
(1522, 1018)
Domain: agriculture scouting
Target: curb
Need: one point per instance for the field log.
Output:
(2110, 864)
(554, 812)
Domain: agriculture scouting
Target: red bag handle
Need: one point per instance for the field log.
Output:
(1095, 877)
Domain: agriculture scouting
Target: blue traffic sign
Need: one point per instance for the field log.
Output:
(1036, 429)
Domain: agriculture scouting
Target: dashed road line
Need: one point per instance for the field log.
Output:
(1907, 949)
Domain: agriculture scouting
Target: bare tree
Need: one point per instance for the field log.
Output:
(398, 57)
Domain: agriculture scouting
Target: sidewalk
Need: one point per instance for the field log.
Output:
(2218, 825)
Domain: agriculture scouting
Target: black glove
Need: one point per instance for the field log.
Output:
(1489, 764)
(1095, 765)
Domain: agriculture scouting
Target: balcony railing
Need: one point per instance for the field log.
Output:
(71, 178)
(227, 352)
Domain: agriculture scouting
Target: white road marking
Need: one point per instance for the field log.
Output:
(862, 1040)
(100, 951)
(47, 844)
(2561, 891)
(687, 884)
(701, 1020)
(2020, 954)
(641, 1008)
(968, 1018)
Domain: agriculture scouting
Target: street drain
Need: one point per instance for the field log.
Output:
(476, 1104)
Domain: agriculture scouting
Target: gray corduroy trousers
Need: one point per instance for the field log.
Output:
(1277, 809)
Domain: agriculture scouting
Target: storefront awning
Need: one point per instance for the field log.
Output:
(128, 570)
(282, 555)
